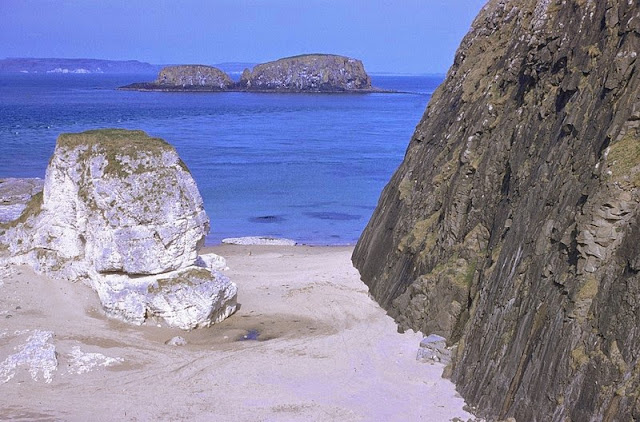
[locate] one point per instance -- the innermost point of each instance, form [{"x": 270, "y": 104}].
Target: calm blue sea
[{"x": 306, "y": 167}]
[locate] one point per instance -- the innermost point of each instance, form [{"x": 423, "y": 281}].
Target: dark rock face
[
  {"x": 512, "y": 226},
  {"x": 186, "y": 78},
  {"x": 308, "y": 73}
]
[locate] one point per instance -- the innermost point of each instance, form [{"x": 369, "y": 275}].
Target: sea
[{"x": 308, "y": 167}]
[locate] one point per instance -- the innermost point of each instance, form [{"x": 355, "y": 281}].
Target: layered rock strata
[
  {"x": 308, "y": 73},
  {"x": 512, "y": 226},
  {"x": 120, "y": 210},
  {"x": 186, "y": 78}
]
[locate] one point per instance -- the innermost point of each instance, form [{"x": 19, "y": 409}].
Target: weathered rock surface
[
  {"x": 308, "y": 73},
  {"x": 186, "y": 78},
  {"x": 121, "y": 210},
  {"x": 512, "y": 226}
]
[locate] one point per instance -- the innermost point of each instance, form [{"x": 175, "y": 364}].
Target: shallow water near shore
[{"x": 309, "y": 167}]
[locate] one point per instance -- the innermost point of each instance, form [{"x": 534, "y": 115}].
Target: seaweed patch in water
[
  {"x": 268, "y": 219},
  {"x": 338, "y": 216}
]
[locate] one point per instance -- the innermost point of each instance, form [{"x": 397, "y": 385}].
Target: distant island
[
  {"x": 27, "y": 65},
  {"x": 78, "y": 66},
  {"x": 311, "y": 73},
  {"x": 186, "y": 78},
  {"x": 308, "y": 73}
]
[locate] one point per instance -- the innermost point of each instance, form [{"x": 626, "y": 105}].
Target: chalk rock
[
  {"x": 37, "y": 355},
  {"x": 121, "y": 210},
  {"x": 176, "y": 341},
  {"x": 81, "y": 362},
  {"x": 212, "y": 261}
]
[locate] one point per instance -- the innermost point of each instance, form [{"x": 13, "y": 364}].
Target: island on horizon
[{"x": 306, "y": 73}]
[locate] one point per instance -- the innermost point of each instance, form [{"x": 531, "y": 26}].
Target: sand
[{"x": 318, "y": 349}]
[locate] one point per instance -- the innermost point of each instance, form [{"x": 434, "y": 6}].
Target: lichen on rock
[{"x": 120, "y": 210}]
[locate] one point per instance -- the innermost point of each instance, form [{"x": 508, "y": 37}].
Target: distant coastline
[
  {"x": 84, "y": 66},
  {"x": 43, "y": 66}
]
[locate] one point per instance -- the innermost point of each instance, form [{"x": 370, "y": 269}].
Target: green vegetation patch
[
  {"x": 121, "y": 140},
  {"x": 579, "y": 357},
  {"x": 185, "y": 277},
  {"x": 459, "y": 271},
  {"x": 589, "y": 289},
  {"x": 624, "y": 158},
  {"x": 115, "y": 143},
  {"x": 422, "y": 236},
  {"x": 311, "y": 55}
]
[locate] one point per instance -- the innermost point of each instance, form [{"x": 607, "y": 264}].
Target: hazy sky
[{"x": 414, "y": 36}]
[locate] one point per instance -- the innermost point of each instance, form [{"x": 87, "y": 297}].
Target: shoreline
[
  {"x": 149, "y": 87},
  {"x": 307, "y": 343}
]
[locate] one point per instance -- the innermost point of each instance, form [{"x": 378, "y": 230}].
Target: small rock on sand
[{"x": 177, "y": 341}]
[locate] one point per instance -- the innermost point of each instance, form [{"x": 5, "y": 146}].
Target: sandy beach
[{"x": 306, "y": 344}]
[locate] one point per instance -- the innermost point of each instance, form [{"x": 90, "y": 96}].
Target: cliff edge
[{"x": 512, "y": 225}]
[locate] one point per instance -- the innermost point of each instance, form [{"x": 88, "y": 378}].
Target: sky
[{"x": 399, "y": 36}]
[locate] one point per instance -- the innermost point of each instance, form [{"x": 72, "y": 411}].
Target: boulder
[
  {"x": 120, "y": 210},
  {"x": 433, "y": 348}
]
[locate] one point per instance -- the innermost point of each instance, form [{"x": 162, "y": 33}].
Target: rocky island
[
  {"x": 120, "y": 211},
  {"x": 512, "y": 226},
  {"x": 311, "y": 73},
  {"x": 186, "y": 78},
  {"x": 308, "y": 73}
]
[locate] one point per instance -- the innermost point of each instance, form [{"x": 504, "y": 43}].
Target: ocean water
[{"x": 309, "y": 167}]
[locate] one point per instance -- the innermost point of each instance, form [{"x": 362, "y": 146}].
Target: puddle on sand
[{"x": 250, "y": 335}]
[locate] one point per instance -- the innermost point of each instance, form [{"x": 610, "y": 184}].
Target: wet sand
[{"x": 307, "y": 344}]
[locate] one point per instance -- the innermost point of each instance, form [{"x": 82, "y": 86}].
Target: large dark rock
[{"x": 512, "y": 225}]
